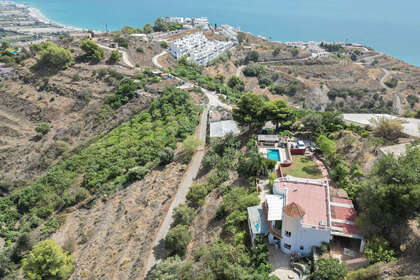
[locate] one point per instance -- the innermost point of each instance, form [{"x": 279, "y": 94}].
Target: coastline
[{"x": 38, "y": 16}]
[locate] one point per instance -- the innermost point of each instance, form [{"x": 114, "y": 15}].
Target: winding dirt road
[{"x": 124, "y": 54}]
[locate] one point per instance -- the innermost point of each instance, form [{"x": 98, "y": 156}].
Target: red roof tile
[{"x": 294, "y": 210}]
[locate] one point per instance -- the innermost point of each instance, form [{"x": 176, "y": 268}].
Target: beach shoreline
[{"x": 36, "y": 15}]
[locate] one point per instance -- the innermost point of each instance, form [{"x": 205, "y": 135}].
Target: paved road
[
  {"x": 155, "y": 59},
  {"x": 211, "y": 95},
  {"x": 124, "y": 54},
  {"x": 158, "y": 251},
  {"x": 214, "y": 100}
]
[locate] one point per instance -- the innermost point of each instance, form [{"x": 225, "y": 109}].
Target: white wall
[{"x": 306, "y": 237}]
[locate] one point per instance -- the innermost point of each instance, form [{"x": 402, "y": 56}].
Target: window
[
  {"x": 287, "y": 246},
  {"x": 288, "y": 233},
  {"x": 301, "y": 248}
]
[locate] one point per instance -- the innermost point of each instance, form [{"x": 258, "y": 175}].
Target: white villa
[
  {"x": 198, "y": 48},
  {"x": 300, "y": 215}
]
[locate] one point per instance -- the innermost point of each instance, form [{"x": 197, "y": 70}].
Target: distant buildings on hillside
[
  {"x": 198, "y": 48},
  {"x": 188, "y": 23},
  {"x": 311, "y": 46}
]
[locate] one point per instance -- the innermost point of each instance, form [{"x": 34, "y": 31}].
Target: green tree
[
  {"x": 250, "y": 111},
  {"x": 329, "y": 269},
  {"x": 52, "y": 56},
  {"x": 391, "y": 195},
  {"x": 114, "y": 57},
  {"x": 93, "y": 52},
  {"x": 177, "y": 239},
  {"x": 280, "y": 113},
  {"x": 236, "y": 83},
  {"x": 313, "y": 122},
  {"x": 148, "y": 28},
  {"x": 183, "y": 215},
  {"x": 47, "y": 261},
  {"x": 327, "y": 146}
]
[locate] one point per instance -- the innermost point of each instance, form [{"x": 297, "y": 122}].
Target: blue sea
[{"x": 389, "y": 26}]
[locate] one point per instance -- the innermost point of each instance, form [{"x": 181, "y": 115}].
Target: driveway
[{"x": 280, "y": 263}]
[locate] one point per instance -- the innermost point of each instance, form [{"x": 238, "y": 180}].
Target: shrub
[
  {"x": 378, "y": 250},
  {"x": 177, "y": 239},
  {"x": 47, "y": 261},
  {"x": 236, "y": 83},
  {"x": 210, "y": 160},
  {"x": 173, "y": 268},
  {"x": 388, "y": 129},
  {"x": 183, "y": 215},
  {"x": 329, "y": 269},
  {"x": 254, "y": 70},
  {"x": 197, "y": 195},
  {"x": 264, "y": 82},
  {"x": 42, "y": 129},
  {"x": 115, "y": 57},
  {"x": 190, "y": 145},
  {"x": 137, "y": 173},
  {"x": 369, "y": 273},
  {"x": 140, "y": 50},
  {"x": 76, "y": 77},
  {"x": 163, "y": 44},
  {"x": 276, "y": 51},
  {"x": 325, "y": 247},
  {"x": 251, "y": 56},
  {"x": 166, "y": 156},
  {"x": 122, "y": 42},
  {"x": 93, "y": 52},
  {"x": 218, "y": 177},
  {"x": 391, "y": 83},
  {"x": 271, "y": 178}
]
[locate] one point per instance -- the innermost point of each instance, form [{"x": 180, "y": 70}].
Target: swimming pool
[{"x": 273, "y": 154}]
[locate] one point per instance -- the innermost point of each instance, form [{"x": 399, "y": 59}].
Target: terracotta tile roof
[{"x": 294, "y": 210}]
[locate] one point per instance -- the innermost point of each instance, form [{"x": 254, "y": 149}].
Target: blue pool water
[
  {"x": 389, "y": 26},
  {"x": 274, "y": 155}
]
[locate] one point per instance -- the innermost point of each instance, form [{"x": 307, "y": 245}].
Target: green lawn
[{"x": 303, "y": 167}]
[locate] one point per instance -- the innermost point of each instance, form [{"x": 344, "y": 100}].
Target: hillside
[{"x": 93, "y": 150}]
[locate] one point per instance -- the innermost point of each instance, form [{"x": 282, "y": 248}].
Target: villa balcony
[{"x": 275, "y": 232}]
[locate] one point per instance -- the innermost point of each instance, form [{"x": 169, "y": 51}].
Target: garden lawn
[{"x": 304, "y": 167}]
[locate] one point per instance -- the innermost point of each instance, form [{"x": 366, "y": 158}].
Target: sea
[{"x": 392, "y": 27}]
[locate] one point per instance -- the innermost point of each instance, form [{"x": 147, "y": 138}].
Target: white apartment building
[
  {"x": 198, "y": 48},
  {"x": 229, "y": 31},
  {"x": 174, "y": 19}
]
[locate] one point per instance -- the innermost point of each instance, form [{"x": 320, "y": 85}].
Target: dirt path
[
  {"x": 382, "y": 81},
  {"x": 155, "y": 59},
  {"x": 239, "y": 70},
  {"x": 124, "y": 54},
  {"x": 158, "y": 251}
]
